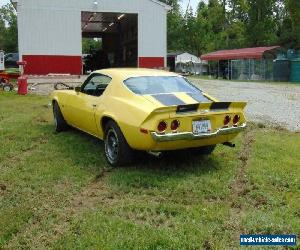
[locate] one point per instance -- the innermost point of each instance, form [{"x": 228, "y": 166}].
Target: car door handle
[{"x": 94, "y": 105}]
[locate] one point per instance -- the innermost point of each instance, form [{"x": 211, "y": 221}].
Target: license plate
[{"x": 200, "y": 127}]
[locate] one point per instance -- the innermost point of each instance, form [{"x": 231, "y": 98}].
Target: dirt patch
[
  {"x": 41, "y": 140},
  {"x": 239, "y": 187},
  {"x": 92, "y": 195},
  {"x": 244, "y": 156},
  {"x": 3, "y": 188},
  {"x": 40, "y": 120},
  {"x": 207, "y": 245}
]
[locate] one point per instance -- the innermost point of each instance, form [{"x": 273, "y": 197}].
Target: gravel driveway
[{"x": 274, "y": 104}]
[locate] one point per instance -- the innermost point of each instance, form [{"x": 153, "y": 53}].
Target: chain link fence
[{"x": 251, "y": 69}]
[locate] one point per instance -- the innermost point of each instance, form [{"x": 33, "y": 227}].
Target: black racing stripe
[
  {"x": 187, "y": 108},
  {"x": 168, "y": 99},
  {"x": 220, "y": 105},
  {"x": 199, "y": 97}
]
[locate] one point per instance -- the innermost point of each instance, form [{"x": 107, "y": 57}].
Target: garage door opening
[{"x": 109, "y": 40}]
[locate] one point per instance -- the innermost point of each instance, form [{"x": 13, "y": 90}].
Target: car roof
[{"x": 134, "y": 72}]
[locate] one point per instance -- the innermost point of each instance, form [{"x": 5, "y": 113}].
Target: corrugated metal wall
[{"x": 53, "y": 27}]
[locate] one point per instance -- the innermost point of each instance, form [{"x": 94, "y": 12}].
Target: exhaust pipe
[{"x": 155, "y": 154}]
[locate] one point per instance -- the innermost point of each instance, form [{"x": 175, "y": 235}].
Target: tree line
[
  {"x": 216, "y": 24},
  {"x": 228, "y": 24}
]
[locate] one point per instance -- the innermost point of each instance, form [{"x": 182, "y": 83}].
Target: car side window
[{"x": 96, "y": 85}]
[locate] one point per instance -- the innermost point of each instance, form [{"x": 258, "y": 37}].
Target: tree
[
  {"x": 90, "y": 45},
  {"x": 210, "y": 25},
  {"x": 2, "y": 32},
  {"x": 8, "y": 29},
  {"x": 175, "y": 24},
  {"x": 292, "y": 22},
  {"x": 261, "y": 25}
]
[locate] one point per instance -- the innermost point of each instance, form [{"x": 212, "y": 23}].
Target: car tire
[
  {"x": 117, "y": 150},
  {"x": 59, "y": 121}
]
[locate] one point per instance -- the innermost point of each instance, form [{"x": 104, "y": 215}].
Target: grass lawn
[{"x": 56, "y": 190}]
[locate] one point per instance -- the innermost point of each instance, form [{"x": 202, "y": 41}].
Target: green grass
[{"x": 56, "y": 190}]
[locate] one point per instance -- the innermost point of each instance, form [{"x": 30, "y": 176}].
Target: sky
[
  {"x": 184, "y": 3},
  {"x": 3, "y": 2}
]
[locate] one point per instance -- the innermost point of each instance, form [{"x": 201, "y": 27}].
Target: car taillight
[
  {"x": 162, "y": 126},
  {"x": 236, "y": 119},
  {"x": 227, "y": 120},
  {"x": 175, "y": 125}
]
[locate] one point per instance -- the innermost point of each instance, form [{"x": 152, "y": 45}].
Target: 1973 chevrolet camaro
[{"x": 146, "y": 110}]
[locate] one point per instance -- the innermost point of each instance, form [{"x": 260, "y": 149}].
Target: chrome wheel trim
[{"x": 111, "y": 146}]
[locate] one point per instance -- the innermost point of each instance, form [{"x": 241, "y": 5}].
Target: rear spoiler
[{"x": 212, "y": 106}]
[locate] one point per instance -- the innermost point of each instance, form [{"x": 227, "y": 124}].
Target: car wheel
[
  {"x": 59, "y": 121},
  {"x": 117, "y": 150}
]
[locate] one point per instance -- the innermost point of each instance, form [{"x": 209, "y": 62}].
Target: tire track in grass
[
  {"x": 42, "y": 234},
  {"x": 37, "y": 235},
  {"x": 239, "y": 186},
  {"x": 13, "y": 161}
]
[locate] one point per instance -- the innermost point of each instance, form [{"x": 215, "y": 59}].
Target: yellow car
[{"x": 146, "y": 110}]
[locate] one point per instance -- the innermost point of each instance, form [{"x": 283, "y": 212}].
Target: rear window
[{"x": 151, "y": 85}]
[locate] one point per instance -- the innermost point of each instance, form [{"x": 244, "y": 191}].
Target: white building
[{"x": 133, "y": 32}]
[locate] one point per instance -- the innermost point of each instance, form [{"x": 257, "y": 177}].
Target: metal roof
[{"x": 246, "y": 53}]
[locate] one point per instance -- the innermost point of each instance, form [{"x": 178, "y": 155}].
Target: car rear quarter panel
[{"x": 128, "y": 113}]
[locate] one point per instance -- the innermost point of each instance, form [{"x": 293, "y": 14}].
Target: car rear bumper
[{"x": 190, "y": 136}]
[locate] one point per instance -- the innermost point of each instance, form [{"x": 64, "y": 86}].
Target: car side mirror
[{"x": 77, "y": 89}]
